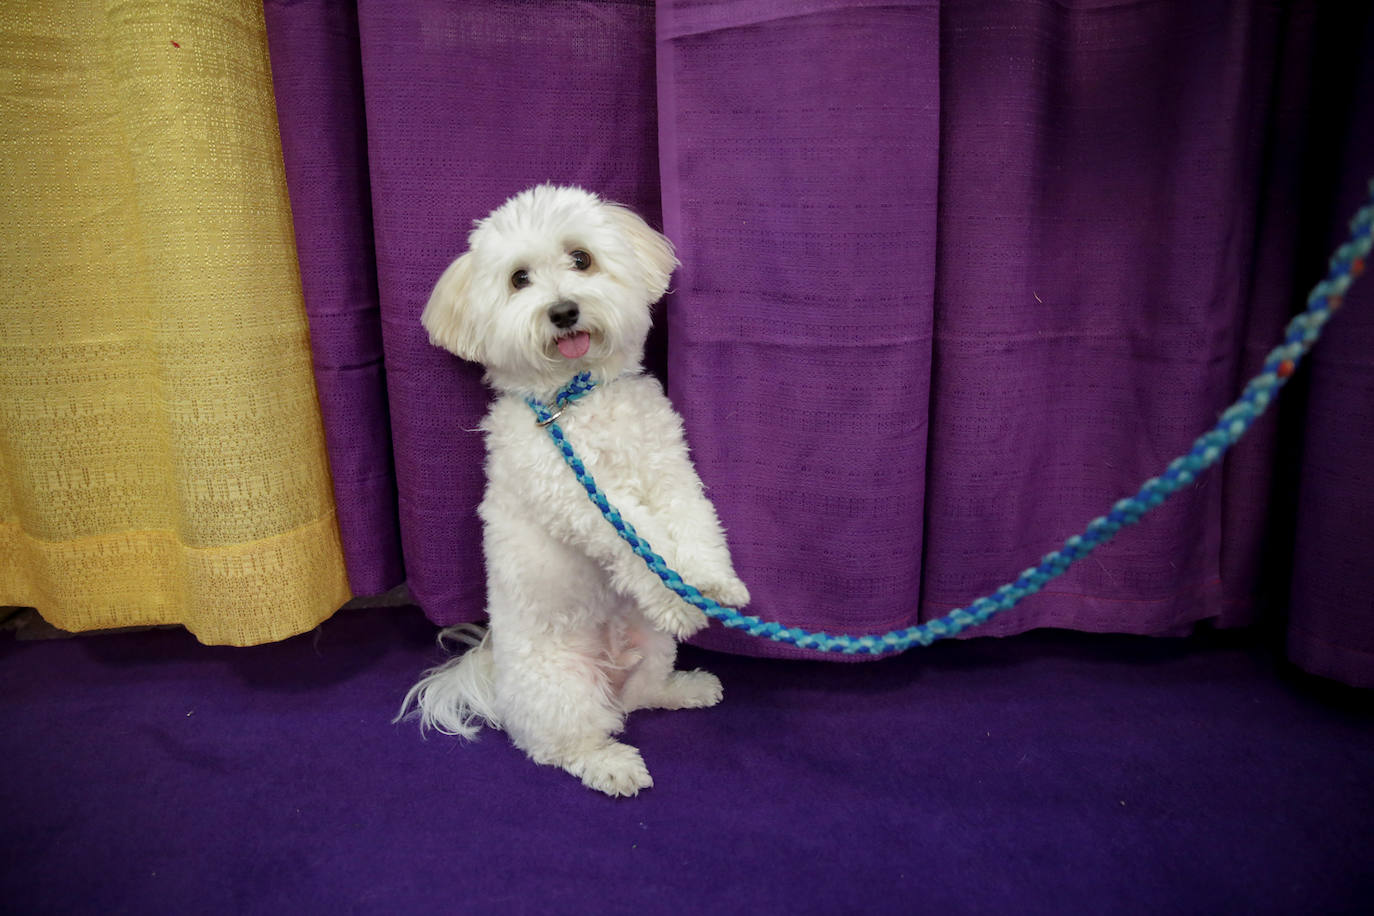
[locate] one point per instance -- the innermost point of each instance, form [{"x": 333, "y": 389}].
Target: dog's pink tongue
[{"x": 576, "y": 346}]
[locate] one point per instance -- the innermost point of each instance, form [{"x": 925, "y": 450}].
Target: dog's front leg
[
  {"x": 660, "y": 605},
  {"x": 698, "y": 545},
  {"x": 575, "y": 521},
  {"x": 556, "y": 709},
  {"x": 685, "y": 532},
  {"x": 693, "y": 541}
]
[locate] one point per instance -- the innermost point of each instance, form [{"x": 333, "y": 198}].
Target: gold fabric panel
[{"x": 161, "y": 454}]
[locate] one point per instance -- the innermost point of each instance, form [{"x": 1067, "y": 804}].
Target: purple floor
[{"x": 1051, "y": 773}]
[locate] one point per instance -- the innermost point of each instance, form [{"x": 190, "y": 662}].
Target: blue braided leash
[{"x": 1302, "y": 332}]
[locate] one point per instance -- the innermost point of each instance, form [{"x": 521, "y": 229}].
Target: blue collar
[{"x": 580, "y": 385}]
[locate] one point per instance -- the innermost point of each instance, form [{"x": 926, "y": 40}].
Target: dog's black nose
[{"x": 563, "y": 314}]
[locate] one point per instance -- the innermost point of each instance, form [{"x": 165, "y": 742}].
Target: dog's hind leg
[
  {"x": 655, "y": 685},
  {"x": 559, "y": 709},
  {"x": 606, "y": 765}
]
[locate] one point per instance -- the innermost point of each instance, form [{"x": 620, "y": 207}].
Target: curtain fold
[
  {"x": 317, "y": 72},
  {"x": 1098, "y": 213},
  {"x": 800, "y": 164},
  {"x": 956, "y": 276},
  {"x": 467, "y": 103},
  {"x": 161, "y": 455}
]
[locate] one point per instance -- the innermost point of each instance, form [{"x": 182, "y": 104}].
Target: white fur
[{"x": 580, "y": 632}]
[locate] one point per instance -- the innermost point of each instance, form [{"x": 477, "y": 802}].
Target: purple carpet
[{"x": 1051, "y": 772}]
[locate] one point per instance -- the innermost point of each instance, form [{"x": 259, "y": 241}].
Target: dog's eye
[
  {"x": 581, "y": 260},
  {"x": 520, "y": 279}
]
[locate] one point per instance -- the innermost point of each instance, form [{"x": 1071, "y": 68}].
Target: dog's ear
[
  {"x": 653, "y": 251},
  {"x": 446, "y": 315}
]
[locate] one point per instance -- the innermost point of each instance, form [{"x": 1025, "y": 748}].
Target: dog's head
[{"x": 554, "y": 282}]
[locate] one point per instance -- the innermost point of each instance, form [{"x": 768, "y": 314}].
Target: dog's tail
[{"x": 457, "y": 697}]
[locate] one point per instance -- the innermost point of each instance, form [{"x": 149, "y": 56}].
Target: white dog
[{"x": 556, "y": 282}]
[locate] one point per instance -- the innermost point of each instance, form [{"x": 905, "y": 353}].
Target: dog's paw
[
  {"x": 731, "y": 593},
  {"x": 681, "y": 690},
  {"x": 692, "y": 690},
  {"x": 614, "y": 768},
  {"x": 676, "y": 617}
]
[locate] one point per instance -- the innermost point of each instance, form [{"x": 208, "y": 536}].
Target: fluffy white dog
[{"x": 556, "y": 282}]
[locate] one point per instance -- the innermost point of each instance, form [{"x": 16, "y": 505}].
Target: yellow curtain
[{"x": 161, "y": 454}]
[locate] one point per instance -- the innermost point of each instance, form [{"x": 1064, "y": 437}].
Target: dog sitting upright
[{"x": 557, "y": 282}]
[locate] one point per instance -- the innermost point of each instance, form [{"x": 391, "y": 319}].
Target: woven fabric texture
[
  {"x": 971, "y": 304},
  {"x": 465, "y": 104},
  {"x": 163, "y": 458},
  {"x": 317, "y": 71},
  {"x": 955, "y": 276}
]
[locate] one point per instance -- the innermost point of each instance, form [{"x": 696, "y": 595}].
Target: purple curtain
[
  {"x": 1331, "y": 623},
  {"x": 464, "y": 103},
  {"x": 800, "y": 177},
  {"x": 318, "y": 80},
  {"x": 955, "y": 277}
]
